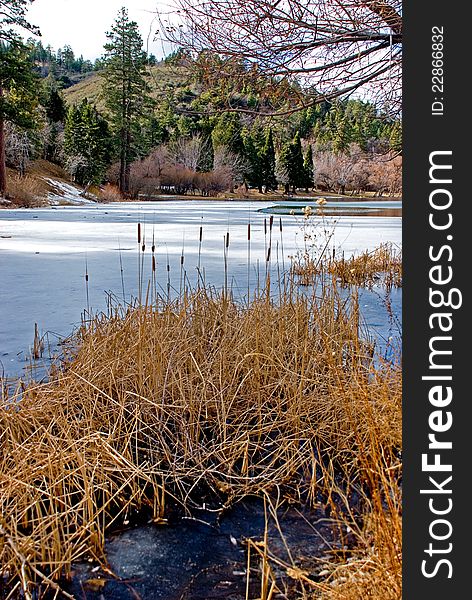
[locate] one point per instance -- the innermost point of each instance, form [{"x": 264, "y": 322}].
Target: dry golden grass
[
  {"x": 162, "y": 404},
  {"x": 381, "y": 266},
  {"x": 109, "y": 193},
  {"x": 27, "y": 191}
]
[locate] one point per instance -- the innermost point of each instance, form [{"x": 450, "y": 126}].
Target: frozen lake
[{"x": 45, "y": 253}]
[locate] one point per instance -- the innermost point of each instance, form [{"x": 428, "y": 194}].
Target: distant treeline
[{"x": 182, "y": 138}]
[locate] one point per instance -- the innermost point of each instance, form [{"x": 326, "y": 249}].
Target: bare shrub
[
  {"x": 75, "y": 164},
  {"x": 386, "y": 175},
  {"x": 27, "y": 192},
  {"x": 155, "y": 163},
  {"x": 214, "y": 182},
  {"x": 178, "y": 179},
  {"x": 110, "y": 193},
  {"x": 357, "y": 171},
  {"x": 146, "y": 174},
  {"x": 113, "y": 174},
  {"x": 174, "y": 169}
]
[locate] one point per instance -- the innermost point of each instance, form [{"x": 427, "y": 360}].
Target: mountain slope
[{"x": 164, "y": 80}]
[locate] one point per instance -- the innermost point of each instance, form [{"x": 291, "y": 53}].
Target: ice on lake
[{"x": 45, "y": 253}]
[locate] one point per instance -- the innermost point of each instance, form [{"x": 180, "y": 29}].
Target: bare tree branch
[{"x": 328, "y": 48}]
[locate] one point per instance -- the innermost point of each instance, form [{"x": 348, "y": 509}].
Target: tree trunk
[
  {"x": 3, "y": 173},
  {"x": 127, "y": 161},
  {"x": 123, "y": 162}
]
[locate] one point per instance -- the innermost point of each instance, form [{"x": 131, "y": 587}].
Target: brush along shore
[
  {"x": 382, "y": 266},
  {"x": 164, "y": 406}
]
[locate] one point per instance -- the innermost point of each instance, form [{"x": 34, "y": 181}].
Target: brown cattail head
[
  {"x": 249, "y": 232},
  {"x": 139, "y": 233}
]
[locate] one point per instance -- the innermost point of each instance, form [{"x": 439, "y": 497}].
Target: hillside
[
  {"x": 164, "y": 80},
  {"x": 44, "y": 184}
]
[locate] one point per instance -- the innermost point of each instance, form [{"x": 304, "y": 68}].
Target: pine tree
[
  {"x": 395, "y": 138},
  {"x": 253, "y": 173},
  {"x": 125, "y": 88},
  {"x": 55, "y": 106},
  {"x": 153, "y": 133},
  {"x": 283, "y": 166},
  {"x": 207, "y": 156},
  {"x": 268, "y": 162},
  {"x": 343, "y": 133},
  {"x": 56, "y": 111},
  {"x": 228, "y": 132},
  {"x": 87, "y": 143},
  {"x": 297, "y": 171},
  {"x": 308, "y": 168},
  {"x": 290, "y": 168},
  {"x": 12, "y": 16}
]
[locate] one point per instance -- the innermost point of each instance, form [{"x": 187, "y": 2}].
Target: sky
[{"x": 82, "y": 23}]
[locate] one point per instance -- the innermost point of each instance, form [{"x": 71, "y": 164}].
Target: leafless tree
[
  {"x": 357, "y": 171},
  {"x": 18, "y": 148},
  {"x": 229, "y": 166},
  {"x": 330, "y": 48},
  {"x": 386, "y": 175},
  {"x": 187, "y": 151},
  {"x": 76, "y": 163}
]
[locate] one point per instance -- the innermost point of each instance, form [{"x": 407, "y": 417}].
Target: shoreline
[{"x": 6, "y": 204}]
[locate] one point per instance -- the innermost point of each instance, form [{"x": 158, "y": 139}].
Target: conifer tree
[
  {"x": 228, "y": 132},
  {"x": 253, "y": 173},
  {"x": 283, "y": 166},
  {"x": 13, "y": 16},
  {"x": 268, "y": 162},
  {"x": 87, "y": 143},
  {"x": 55, "y": 106},
  {"x": 207, "y": 156},
  {"x": 395, "y": 137},
  {"x": 125, "y": 88},
  {"x": 342, "y": 135},
  {"x": 56, "y": 112},
  {"x": 297, "y": 170},
  {"x": 290, "y": 168},
  {"x": 308, "y": 168}
]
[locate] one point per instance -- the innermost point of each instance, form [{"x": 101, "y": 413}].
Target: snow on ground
[{"x": 66, "y": 192}]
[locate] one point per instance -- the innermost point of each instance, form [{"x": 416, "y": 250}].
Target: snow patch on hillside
[{"x": 67, "y": 193}]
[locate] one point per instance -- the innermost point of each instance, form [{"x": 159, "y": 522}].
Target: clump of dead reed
[
  {"x": 203, "y": 399},
  {"x": 381, "y": 266}
]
